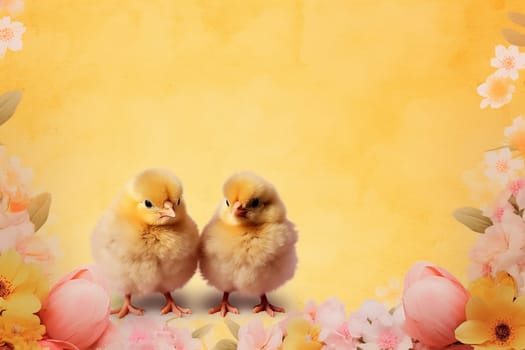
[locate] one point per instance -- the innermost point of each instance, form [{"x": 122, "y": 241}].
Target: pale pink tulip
[
  {"x": 77, "y": 309},
  {"x": 434, "y": 303}
]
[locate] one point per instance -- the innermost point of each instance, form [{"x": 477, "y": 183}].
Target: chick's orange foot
[
  {"x": 127, "y": 308},
  {"x": 224, "y": 307},
  {"x": 171, "y": 306},
  {"x": 266, "y": 306}
]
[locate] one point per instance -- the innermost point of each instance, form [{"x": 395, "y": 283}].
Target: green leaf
[
  {"x": 473, "y": 219},
  {"x": 514, "y": 37},
  {"x": 512, "y": 201},
  {"x": 8, "y": 103},
  {"x": 201, "y": 332},
  {"x": 38, "y": 209},
  {"x": 233, "y": 327},
  {"x": 518, "y": 18},
  {"x": 500, "y": 147},
  {"x": 225, "y": 344}
]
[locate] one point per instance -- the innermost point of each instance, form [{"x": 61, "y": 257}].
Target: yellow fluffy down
[
  {"x": 254, "y": 254},
  {"x": 140, "y": 252}
]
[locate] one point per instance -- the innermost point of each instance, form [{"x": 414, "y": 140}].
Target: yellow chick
[
  {"x": 249, "y": 245},
  {"x": 145, "y": 241}
]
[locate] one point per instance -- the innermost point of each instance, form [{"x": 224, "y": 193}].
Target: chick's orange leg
[
  {"x": 171, "y": 306},
  {"x": 224, "y": 307},
  {"x": 127, "y": 307},
  {"x": 266, "y": 306}
]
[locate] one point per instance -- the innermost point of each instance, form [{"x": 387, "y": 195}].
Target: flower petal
[
  {"x": 10, "y": 262},
  {"x": 500, "y": 50},
  {"x": 483, "y": 89},
  {"x": 519, "y": 340},
  {"x": 21, "y": 304},
  {"x": 477, "y": 309},
  {"x": 473, "y": 332},
  {"x": 15, "y": 44}
]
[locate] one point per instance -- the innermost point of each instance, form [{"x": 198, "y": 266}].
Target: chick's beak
[
  {"x": 168, "y": 210},
  {"x": 238, "y": 210}
]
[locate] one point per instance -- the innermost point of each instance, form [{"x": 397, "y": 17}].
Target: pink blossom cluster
[
  {"x": 502, "y": 246},
  {"x": 16, "y": 229},
  {"x": 370, "y": 327}
]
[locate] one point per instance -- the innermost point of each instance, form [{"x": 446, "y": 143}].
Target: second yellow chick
[{"x": 249, "y": 245}]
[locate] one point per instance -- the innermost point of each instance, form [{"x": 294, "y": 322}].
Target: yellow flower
[
  {"x": 485, "y": 287},
  {"x": 302, "y": 335},
  {"x": 495, "y": 324},
  {"x": 22, "y": 286},
  {"x": 20, "y": 333}
]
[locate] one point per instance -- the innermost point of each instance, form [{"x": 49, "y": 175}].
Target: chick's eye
[
  {"x": 178, "y": 201},
  {"x": 148, "y": 204},
  {"x": 227, "y": 203},
  {"x": 254, "y": 203}
]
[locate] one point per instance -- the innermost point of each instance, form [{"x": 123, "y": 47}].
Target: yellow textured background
[{"x": 364, "y": 114}]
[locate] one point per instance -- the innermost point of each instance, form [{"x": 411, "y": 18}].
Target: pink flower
[
  {"x": 77, "y": 302},
  {"x": 434, "y": 304},
  {"x": 500, "y": 248},
  {"x": 310, "y": 310},
  {"x": 15, "y": 181},
  {"x": 340, "y": 338},
  {"x": 330, "y": 316},
  {"x": 500, "y": 165},
  {"x": 10, "y": 35},
  {"x": 14, "y": 7},
  {"x": 378, "y": 329},
  {"x": 35, "y": 249},
  {"x": 370, "y": 311},
  {"x": 17, "y": 232},
  {"x": 500, "y": 206},
  {"x": 253, "y": 336},
  {"x": 508, "y": 61},
  {"x": 149, "y": 334},
  {"x": 12, "y": 227},
  {"x": 519, "y": 192}
]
